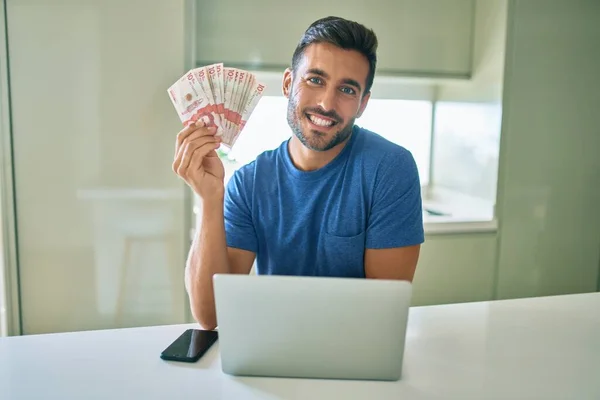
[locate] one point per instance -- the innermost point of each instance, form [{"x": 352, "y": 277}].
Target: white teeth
[{"x": 320, "y": 121}]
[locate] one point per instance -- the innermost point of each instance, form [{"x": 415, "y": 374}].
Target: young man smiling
[{"x": 333, "y": 200}]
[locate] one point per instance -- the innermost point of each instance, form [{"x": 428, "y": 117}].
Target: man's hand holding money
[
  {"x": 222, "y": 97},
  {"x": 214, "y": 103},
  {"x": 197, "y": 162}
]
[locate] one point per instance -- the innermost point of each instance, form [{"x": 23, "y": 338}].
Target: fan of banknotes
[{"x": 222, "y": 97}]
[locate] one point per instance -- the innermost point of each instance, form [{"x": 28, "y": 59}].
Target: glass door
[{"x": 102, "y": 220}]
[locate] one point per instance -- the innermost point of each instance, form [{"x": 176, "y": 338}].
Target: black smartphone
[{"x": 190, "y": 346}]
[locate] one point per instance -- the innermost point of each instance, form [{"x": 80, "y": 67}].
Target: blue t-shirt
[{"x": 318, "y": 223}]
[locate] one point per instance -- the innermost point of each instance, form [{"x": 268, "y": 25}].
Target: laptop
[{"x": 311, "y": 327}]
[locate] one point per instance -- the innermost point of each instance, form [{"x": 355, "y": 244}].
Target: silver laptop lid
[{"x": 309, "y": 327}]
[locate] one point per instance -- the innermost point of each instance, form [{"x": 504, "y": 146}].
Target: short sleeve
[
  {"x": 396, "y": 215},
  {"x": 239, "y": 228}
]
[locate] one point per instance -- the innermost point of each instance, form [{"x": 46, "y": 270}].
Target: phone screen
[{"x": 190, "y": 346}]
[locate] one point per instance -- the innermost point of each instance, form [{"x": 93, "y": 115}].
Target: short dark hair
[{"x": 343, "y": 33}]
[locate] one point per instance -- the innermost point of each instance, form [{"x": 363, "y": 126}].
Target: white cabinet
[
  {"x": 455, "y": 268},
  {"x": 416, "y": 37}
]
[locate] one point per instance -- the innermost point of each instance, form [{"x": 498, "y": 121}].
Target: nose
[{"x": 328, "y": 98}]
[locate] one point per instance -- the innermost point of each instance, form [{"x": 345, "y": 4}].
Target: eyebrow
[{"x": 324, "y": 74}]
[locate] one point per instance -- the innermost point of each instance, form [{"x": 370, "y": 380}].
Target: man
[{"x": 333, "y": 200}]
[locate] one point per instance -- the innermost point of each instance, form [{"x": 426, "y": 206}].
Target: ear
[
  {"x": 363, "y": 104},
  {"x": 287, "y": 82}
]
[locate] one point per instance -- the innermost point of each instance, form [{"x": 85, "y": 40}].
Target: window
[
  {"x": 266, "y": 128},
  {"x": 406, "y": 123},
  {"x": 467, "y": 144}
]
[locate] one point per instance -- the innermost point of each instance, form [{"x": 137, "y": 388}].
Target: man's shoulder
[
  {"x": 265, "y": 161},
  {"x": 269, "y": 158},
  {"x": 382, "y": 152}
]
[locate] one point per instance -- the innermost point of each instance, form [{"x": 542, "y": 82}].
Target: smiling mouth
[{"x": 320, "y": 121}]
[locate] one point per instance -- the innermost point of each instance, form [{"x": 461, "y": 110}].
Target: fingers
[
  {"x": 198, "y": 126},
  {"x": 190, "y": 146},
  {"x": 195, "y": 140},
  {"x": 196, "y": 149},
  {"x": 192, "y": 137},
  {"x": 185, "y": 132},
  {"x": 197, "y": 160}
]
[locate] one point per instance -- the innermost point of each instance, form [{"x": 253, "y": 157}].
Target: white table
[{"x": 540, "y": 348}]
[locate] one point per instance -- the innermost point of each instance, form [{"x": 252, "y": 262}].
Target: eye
[
  {"x": 315, "y": 80},
  {"x": 348, "y": 90}
]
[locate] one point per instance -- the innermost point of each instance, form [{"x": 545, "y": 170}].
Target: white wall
[
  {"x": 99, "y": 211},
  {"x": 549, "y": 184}
]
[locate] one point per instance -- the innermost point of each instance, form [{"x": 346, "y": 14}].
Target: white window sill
[{"x": 446, "y": 212}]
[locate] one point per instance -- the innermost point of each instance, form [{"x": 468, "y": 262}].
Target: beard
[{"x": 314, "y": 139}]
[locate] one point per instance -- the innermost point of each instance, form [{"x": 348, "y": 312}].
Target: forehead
[{"x": 338, "y": 63}]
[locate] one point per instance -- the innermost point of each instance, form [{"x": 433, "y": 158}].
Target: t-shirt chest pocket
[
  {"x": 342, "y": 244},
  {"x": 342, "y": 256}
]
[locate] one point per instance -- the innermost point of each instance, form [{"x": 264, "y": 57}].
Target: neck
[{"x": 306, "y": 159}]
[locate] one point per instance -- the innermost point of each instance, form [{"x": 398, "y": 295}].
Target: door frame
[{"x": 8, "y": 224}]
